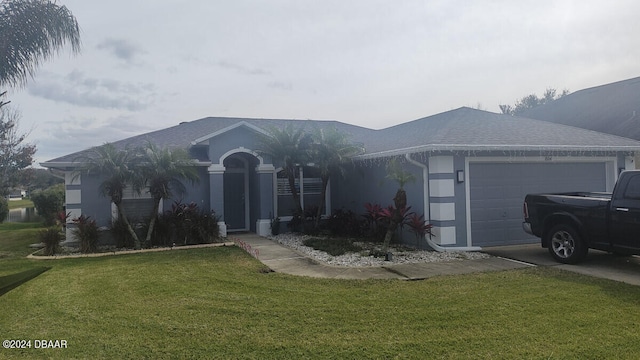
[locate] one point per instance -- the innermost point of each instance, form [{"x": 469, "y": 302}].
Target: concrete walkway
[{"x": 287, "y": 261}]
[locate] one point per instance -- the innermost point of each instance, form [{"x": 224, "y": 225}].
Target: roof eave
[{"x": 458, "y": 147}]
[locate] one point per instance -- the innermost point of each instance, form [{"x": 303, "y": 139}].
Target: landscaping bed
[{"x": 362, "y": 253}]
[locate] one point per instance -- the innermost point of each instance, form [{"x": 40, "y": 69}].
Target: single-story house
[
  {"x": 472, "y": 170},
  {"x": 610, "y": 108}
]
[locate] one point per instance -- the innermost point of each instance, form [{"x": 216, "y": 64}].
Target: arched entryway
[{"x": 238, "y": 191}]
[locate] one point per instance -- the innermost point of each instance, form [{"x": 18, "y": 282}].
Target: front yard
[{"x": 220, "y": 303}]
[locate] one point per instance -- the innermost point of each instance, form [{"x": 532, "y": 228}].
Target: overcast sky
[{"x": 146, "y": 65}]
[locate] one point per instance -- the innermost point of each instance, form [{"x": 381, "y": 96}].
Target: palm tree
[
  {"x": 118, "y": 166},
  {"x": 289, "y": 147},
  {"x": 163, "y": 171},
  {"x": 399, "y": 175},
  {"x": 330, "y": 152},
  {"x": 32, "y": 31}
]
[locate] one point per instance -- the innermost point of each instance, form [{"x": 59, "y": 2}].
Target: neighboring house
[
  {"x": 612, "y": 109},
  {"x": 472, "y": 171}
]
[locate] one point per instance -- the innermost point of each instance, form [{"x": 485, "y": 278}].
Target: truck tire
[{"x": 566, "y": 245}]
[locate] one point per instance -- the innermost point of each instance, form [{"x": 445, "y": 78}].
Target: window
[
  {"x": 137, "y": 206},
  {"x": 310, "y": 191},
  {"x": 633, "y": 188}
]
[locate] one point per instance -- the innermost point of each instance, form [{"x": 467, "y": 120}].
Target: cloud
[
  {"x": 77, "y": 133},
  {"x": 121, "y": 49},
  {"x": 280, "y": 85},
  {"x": 242, "y": 69},
  {"x": 77, "y": 89}
]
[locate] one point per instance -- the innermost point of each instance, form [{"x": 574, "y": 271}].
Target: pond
[{"x": 28, "y": 214}]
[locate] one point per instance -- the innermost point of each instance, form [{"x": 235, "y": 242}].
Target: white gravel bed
[{"x": 400, "y": 255}]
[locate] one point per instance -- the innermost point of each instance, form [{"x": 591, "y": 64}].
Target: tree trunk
[
  {"x": 123, "y": 216},
  {"x": 400, "y": 201},
  {"x": 323, "y": 194},
  {"x": 152, "y": 222},
  {"x": 291, "y": 175}
]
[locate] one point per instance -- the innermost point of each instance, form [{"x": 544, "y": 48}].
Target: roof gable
[{"x": 205, "y": 139}]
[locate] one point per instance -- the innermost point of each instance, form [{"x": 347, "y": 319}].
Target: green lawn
[
  {"x": 16, "y": 204},
  {"x": 220, "y": 303}
]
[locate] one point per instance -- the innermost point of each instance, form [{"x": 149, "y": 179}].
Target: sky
[{"x": 147, "y": 65}]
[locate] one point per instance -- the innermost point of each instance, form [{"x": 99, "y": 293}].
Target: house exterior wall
[
  {"x": 448, "y": 180},
  {"x": 197, "y": 193}
]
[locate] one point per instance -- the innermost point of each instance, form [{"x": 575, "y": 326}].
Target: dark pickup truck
[{"x": 569, "y": 224}]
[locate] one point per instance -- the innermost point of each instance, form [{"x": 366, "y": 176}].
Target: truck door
[{"x": 624, "y": 225}]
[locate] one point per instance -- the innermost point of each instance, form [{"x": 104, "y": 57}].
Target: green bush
[
  {"x": 332, "y": 246},
  {"x": 185, "y": 224},
  {"x": 51, "y": 238},
  {"x": 49, "y": 203},
  {"x": 86, "y": 231},
  {"x": 4, "y": 209}
]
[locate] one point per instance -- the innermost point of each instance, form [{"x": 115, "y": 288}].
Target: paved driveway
[{"x": 597, "y": 264}]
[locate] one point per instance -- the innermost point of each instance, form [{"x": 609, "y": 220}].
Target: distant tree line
[{"x": 531, "y": 101}]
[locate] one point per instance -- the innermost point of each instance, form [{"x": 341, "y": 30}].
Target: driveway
[{"x": 598, "y": 264}]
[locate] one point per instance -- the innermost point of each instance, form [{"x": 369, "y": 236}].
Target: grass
[
  {"x": 17, "y": 204},
  {"x": 218, "y": 303}
]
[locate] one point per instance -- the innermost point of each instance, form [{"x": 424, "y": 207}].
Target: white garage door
[{"x": 497, "y": 191}]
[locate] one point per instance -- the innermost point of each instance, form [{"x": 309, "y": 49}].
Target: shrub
[
  {"x": 419, "y": 227},
  {"x": 49, "y": 203},
  {"x": 275, "y": 226},
  {"x": 332, "y": 246},
  {"x": 51, "y": 238},
  {"x": 4, "y": 209},
  {"x": 186, "y": 224},
  {"x": 121, "y": 235},
  {"x": 86, "y": 231},
  {"x": 344, "y": 223}
]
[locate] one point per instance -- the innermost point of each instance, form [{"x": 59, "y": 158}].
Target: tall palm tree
[
  {"x": 32, "y": 31},
  {"x": 118, "y": 167},
  {"x": 288, "y": 147},
  {"x": 331, "y": 151},
  {"x": 163, "y": 171}
]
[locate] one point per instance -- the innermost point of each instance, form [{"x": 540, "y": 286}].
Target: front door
[{"x": 235, "y": 201}]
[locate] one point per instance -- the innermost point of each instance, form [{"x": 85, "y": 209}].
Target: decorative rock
[{"x": 400, "y": 255}]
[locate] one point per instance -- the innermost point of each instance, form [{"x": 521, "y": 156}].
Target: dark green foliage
[
  {"x": 531, "y": 101},
  {"x": 345, "y": 223},
  {"x": 275, "y": 226},
  {"x": 86, "y": 231},
  {"x": 120, "y": 232},
  {"x": 49, "y": 203},
  {"x": 14, "y": 280},
  {"x": 333, "y": 246},
  {"x": 51, "y": 238},
  {"x": 4, "y": 209},
  {"x": 186, "y": 224}
]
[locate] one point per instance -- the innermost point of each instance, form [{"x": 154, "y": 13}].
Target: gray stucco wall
[
  {"x": 197, "y": 192},
  {"x": 93, "y": 203},
  {"x": 233, "y": 139}
]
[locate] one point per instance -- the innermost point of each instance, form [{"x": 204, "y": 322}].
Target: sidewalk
[{"x": 287, "y": 261}]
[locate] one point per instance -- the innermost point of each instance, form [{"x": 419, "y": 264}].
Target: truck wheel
[{"x": 566, "y": 245}]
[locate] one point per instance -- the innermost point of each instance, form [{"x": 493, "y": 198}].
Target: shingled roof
[
  {"x": 473, "y": 130},
  {"x": 612, "y": 108},
  {"x": 463, "y": 129},
  {"x": 184, "y": 134}
]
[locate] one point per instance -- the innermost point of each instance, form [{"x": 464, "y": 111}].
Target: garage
[{"x": 497, "y": 191}]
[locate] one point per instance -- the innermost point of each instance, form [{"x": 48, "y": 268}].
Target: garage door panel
[{"x": 498, "y": 189}]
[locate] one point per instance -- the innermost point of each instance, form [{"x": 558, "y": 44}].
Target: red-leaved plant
[{"x": 419, "y": 227}]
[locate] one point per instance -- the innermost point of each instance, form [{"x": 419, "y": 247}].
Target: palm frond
[{"x": 32, "y": 31}]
